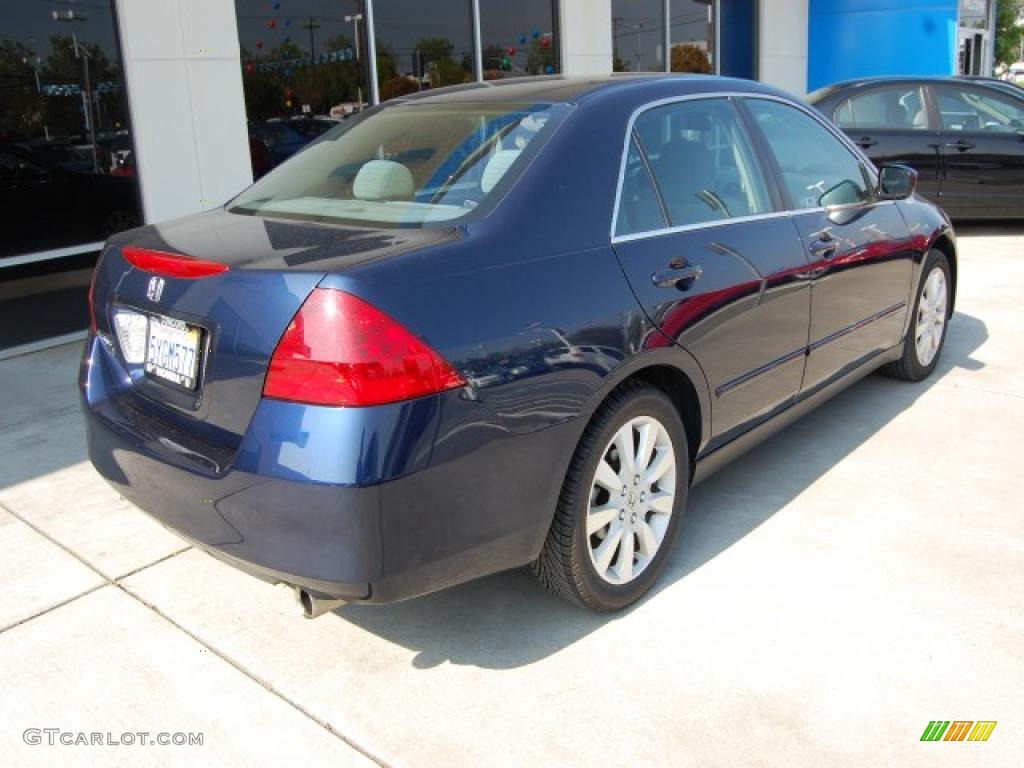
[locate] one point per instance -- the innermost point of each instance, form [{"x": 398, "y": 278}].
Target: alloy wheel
[
  {"x": 631, "y": 500},
  {"x": 931, "y": 317}
]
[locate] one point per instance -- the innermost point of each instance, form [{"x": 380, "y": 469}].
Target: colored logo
[{"x": 958, "y": 730}]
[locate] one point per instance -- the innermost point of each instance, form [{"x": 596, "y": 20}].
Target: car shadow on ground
[
  {"x": 506, "y": 621},
  {"x": 41, "y": 425}
]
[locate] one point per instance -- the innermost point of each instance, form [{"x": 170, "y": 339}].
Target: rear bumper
[{"x": 350, "y": 503}]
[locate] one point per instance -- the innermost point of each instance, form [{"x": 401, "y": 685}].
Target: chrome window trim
[
  {"x": 652, "y": 233},
  {"x": 730, "y": 95}
]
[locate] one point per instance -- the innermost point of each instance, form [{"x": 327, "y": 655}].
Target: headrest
[
  {"x": 496, "y": 167},
  {"x": 383, "y": 180},
  {"x": 692, "y": 127}
]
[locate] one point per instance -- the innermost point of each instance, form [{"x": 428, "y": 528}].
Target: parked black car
[
  {"x": 964, "y": 137},
  {"x": 47, "y": 206}
]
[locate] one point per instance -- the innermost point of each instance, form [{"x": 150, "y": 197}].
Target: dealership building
[{"x": 118, "y": 112}]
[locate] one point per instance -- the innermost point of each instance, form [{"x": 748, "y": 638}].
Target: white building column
[
  {"x": 181, "y": 67},
  {"x": 782, "y": 44},
  {"x": 585, "y": 36}
]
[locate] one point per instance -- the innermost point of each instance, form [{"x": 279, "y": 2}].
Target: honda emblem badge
[{"x": 155, "y": 289}]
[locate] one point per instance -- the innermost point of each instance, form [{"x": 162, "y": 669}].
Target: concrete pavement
[{"x": 832, "y": 592}]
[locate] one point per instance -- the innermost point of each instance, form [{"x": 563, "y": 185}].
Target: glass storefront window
[
  {"x": 974, "y": 14},
  {"x": 67, "y": 170},
  {"x": 303, "y": 70},
  {"x": 704, "y": 36},
  {"x": 638, "y": 36},
  {"x": 305, "y": 61},
  {"x": 691, "y": 25},
  {"x": 422, "y": 44},
  {"x": 518, "y": 38}
]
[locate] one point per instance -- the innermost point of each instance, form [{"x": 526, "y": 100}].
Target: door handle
[
  {"x": 680, "y": 275},
  {"x": 866, "y": 141},
  {"x": 824, "y": 246},
  {"x": 961, "y": 145}
]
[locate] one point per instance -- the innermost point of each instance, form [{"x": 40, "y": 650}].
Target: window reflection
[
  {"x": 66, "y": 164},
  {"x": 422, "y": 44},
  {"x": 693, "y": 38},
  {"x": 518, "y": 38},
  {"x": 303, "y": 70},
  {"x": 638, "y": 36},
  {"x": 67, "y": 170}
]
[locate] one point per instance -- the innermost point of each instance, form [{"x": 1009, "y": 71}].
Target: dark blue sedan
[{"x": 503, "y": 324}]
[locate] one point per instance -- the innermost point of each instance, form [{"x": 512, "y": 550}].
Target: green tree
[
  {"x": 492, "y": 58},
  {"x": 1008, "y": 34},
  {"x": 397, "y": 86},
  {"x": 541, "y": 56},
  {"x": 434, "y": 49},
  {"x": 22, "y": 113},
  {"x": 690, "y": 58}
]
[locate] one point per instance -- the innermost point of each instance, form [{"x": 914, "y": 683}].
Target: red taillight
[
  {"x": 339, "y": 350},
  {"x": 171, "y": 264}
]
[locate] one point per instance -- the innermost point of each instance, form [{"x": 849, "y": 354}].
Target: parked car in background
[
  {"x": 260, "y": 158},
  {"x": 500, "y": 325},
  {"x": 125, "y": 165},
  {"x": 964, "y": 137},
  {"x": 60, "y": 152},
  {"x": 312, "y": 127},
  {"x": 283, "y": 138},
  {"x": 280, "y": 139},
  {"x": 46, "y": 206}
]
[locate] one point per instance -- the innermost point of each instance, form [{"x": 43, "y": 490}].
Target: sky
[{"x": 30, "y": 22}]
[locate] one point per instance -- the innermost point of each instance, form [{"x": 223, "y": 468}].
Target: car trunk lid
[{"x": 254, "y": 276}]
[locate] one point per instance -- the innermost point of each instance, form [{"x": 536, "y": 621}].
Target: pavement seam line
[
  {"x": 49, "y": 538},
  {"x": 61, "y": 604},
  {"x": 166, "y": 557},
  {"x": 255, "y": 678},
  {"x": 116, "y": 582}
]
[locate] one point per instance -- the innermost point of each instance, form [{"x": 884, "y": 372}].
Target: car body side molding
[{"x": 717, "y": 458}]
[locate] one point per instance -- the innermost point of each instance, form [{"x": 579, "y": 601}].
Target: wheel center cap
[{"x": 631, "y": 499}]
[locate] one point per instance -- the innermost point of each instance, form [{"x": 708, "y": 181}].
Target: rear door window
[
  {"x": 702, "y": 162},
  {"x": 898, "y": 108},
  {"x": 640, "y": 209}
]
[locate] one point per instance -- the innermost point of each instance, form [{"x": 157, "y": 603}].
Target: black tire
[
  {"x": 909, "y": 367},
  {"x": 564, "y": 567}
]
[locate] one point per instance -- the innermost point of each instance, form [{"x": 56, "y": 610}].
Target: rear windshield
[{"x": 405, "y": 165}]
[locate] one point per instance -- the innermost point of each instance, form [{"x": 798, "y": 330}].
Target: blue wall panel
[
  {"x": 864, "y": 38},
  {"x": 738, "y": 45}
]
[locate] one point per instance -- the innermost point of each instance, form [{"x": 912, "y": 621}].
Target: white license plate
[{"x": 173, "y": 351}]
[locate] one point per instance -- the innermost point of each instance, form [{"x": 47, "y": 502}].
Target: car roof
[
  {"x": 563, "y": 89},
  {"x": 865, "y": 82}
]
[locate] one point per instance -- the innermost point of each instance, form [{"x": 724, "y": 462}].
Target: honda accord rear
[{"x": 269, "y": 379}]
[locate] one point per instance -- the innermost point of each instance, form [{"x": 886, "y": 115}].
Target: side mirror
[
  {"x": 896, "y": 182},
  {"x": 845, "y": 192}
]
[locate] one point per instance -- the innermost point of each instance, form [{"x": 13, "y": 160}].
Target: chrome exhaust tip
[{"x": 311, "y": 606}]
